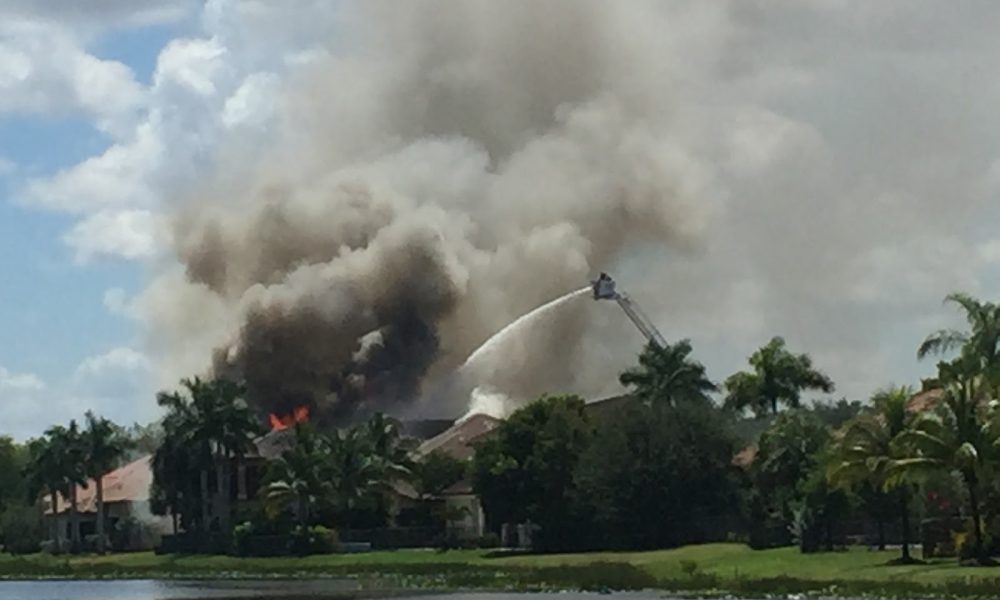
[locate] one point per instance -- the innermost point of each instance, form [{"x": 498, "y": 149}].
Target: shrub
[
  {"x": 312, "y": 540},
  {"x": 22, "y": 530}
]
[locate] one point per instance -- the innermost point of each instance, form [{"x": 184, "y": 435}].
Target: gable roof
[
  {"x": 128, "y": 483},
  {"x": 458, "y": 440}
]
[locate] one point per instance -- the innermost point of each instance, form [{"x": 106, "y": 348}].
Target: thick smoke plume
[{"x": 448, "y": 167}]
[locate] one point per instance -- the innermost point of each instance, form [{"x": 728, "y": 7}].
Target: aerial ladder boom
[{"x": 604, "y": 289}]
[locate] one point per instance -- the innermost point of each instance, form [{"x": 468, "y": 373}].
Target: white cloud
[
  {"x": 44, "y": 70},
  {"x": 193, "y": 64},
  {"x": 99, "y": 14},
  {"x": 129, "y": 234},
  {"x": 19, "y": 382},
  {"x": 113, "y": 362},
  {"x": 253, "y": 103},
  {"x": 117, "y": 178}
]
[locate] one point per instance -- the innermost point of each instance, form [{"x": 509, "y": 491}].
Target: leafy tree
[
  {"x": 668, "y": 376},
  {"x": 175, "y": 463},
  {"x": 788, "y": 452},
  {"x": 208, "y": 428},
  {"x": 359, "y": 477},
  {"x": 836, "y": 414},
  {"x": 655, "y": 476},
  {"x": 961, "y": 435},
  {"x": 980, "y": 345},
  {"x": 45, "y": 475},
  {"x": 13, "y": 491},
  {"x": 525, "y": 471},
  {"x": 142, "y": 440},
  {"x": 13, "y": 460},
  {"x": 778, "y": 377},
  {"x": 70, "y": 454},
  {"x": 436, "y": 472},
  {"x": 300, "y": 477},
  {"x": 869, "y": 449},
  {"x": 105, "y": 445}
]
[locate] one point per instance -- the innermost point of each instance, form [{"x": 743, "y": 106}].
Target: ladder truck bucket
[{"x": 604, "y": 288}]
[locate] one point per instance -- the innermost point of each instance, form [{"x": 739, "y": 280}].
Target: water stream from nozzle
[{"x": 498, "y": 338}]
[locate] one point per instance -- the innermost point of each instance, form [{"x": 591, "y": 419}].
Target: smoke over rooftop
[{"x": 455, "y": 166}]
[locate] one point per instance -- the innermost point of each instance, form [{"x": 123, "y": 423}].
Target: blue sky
[
  {"x": 835, "y": 165},
  {"x": 53, "y": 309}
]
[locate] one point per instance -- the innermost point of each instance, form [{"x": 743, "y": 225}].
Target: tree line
[
  {"x": 664, "y": 470},
  {"x": 685, "y": 460}
]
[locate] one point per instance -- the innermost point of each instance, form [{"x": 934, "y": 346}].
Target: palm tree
[
  {"x": 385, "y": 436},
  {"x": 959, "y": 436},
  {"x": 45, "y": 474},
  {"x": 778, "y": 377},
  {"x": 172, "y": 463},
  {"x": 356, "y": 473},
  {"x": 668, "y": 376},
  {"x": 870, "y": 447},
  {"x": 299, "y": 478},
  {"x": 982, "y": 339},
  {"x": 219, "y": 429},
  {"x": 69, "y": 454},
  {"x": 105, "y": 446}
]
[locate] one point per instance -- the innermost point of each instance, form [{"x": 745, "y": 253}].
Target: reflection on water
[
  {"x": 173, "y": 590},
  {"x": 270, "y": 590}
]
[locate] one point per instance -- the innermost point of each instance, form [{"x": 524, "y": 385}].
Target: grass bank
[{"x": 712, "y": 567}]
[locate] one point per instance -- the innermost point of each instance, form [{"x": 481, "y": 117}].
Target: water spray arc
[{"x": 604, "y": 289}]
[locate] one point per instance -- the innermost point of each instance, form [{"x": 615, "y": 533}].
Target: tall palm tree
[
  {"x": 982, "y": 339},
  {"x": 778, "y": 377},
  {"x": 70, "y": 454},
  {"x": 219, "y": 429},
  {"x": 389, "y": 446},
  {"x": 870, "y": 447},
  {"x": 46, "y": 475},
  {"x": 299, "y": 477},
  {"x": 960, "y": 435},
  {"x": 173, "y": 463},
  {"x": 105, "y": 445},
  {"x": 356, "y": 473},
  {"x": 668, "y": 376}
]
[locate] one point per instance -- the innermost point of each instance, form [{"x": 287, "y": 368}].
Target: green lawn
[{"x": 712, "y": 566}]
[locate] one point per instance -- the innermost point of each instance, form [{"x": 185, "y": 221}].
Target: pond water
[{"x": 267, "y": 590}]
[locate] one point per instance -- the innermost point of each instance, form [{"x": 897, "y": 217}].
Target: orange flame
[{"x": 299, "y": 415}]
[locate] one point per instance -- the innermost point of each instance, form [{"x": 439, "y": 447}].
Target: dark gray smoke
[{"x": 460, "y": 164}]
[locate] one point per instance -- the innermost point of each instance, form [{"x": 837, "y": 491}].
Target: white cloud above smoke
[{"x": 822, "y": 171}]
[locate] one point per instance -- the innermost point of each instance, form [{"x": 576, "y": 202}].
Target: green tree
[
  {"x": 655, "y": 476},
  {"x": 13, "y": 487},
  {"x": 787, "y": 453},
  {"x": 980, "y": 345},
  {"x": 525, "y": 471},
  {"x": 358, "y": 476},
  {"x": 778, "y": 377},
  {"x": 176, "y": 467},
  {"x": 299, "y": 478},
  {"x": 66, "y": 455},
  {"x": 668, "y": 376},
  {"x": 45, "y": 475},
  {"x": 436, "y": 472},
  {"x": 871, "y": 446},
  {"x": 960, "y": 435},
  {"x": 105, "y": 445},
  {"x": 208, "y": 427}
]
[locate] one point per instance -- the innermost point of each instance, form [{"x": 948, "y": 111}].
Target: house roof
[
  {"x": 129, "y": 483},
  {"x": 459, "y": 439},
  {"x": 925, "y": 400}
]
